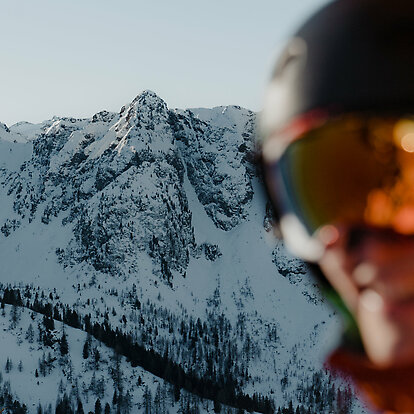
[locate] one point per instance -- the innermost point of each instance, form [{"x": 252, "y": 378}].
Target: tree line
[{"x": 223, "y": 389}]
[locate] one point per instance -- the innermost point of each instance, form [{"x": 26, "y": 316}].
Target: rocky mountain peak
[
  {"x": 147, "y": 111},
  {"x": 148, "y": 97},
  {"x": 146, "y": 101}
]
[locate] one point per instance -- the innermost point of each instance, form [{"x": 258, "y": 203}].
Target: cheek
[
  {"x": 339, "y": 274},
  {"x": 387, "y": 334},
  {"x": 379, "y": 334},
  {"x": 387, "y": 330}
]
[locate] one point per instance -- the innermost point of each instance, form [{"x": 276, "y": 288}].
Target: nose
[{"x": 381, "y": 259}]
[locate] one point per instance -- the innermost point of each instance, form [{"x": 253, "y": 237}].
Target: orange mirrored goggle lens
[{"x": 350, "y": 170}]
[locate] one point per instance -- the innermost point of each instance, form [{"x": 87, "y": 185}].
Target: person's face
[
  {"x": 373, "y": 271},
  {"x": 350, "y": 184}
]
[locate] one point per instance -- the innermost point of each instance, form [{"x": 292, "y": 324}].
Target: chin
[{"x": 387, "y": 332}]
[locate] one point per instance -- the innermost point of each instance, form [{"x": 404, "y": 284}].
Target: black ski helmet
[{"x": 352, "y": 55}]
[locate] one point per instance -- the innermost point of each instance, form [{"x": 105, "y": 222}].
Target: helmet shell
[{"x": 352, "y": 55}]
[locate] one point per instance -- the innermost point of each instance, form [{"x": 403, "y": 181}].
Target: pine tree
[
  {"x": 64, "y": 346},
  {"x": 63, "y": 406},
  {"x": 147, "y": 400},
  {"x": 9, "y": 365},
  {"x": 115, "y": 398},
  {"x": 92, "y": 386},
  {"x": 157, "y": 399},
  {"x": 49, "y": 363},
  {"x": 107, "y": 409},
  {"x": 85, "y": 352},
  {"x": 14, "y": 316},
  {"x": 96, "y": 358},
  {"x": 42, "y": 365},
  {"x": 98, "y": 407},
  {"x": 127, "y": 403},
  {"x": 48, "y": 323},
  {"x": 116, "y": 372},
  {"x": 100, "y": 387},
  {"x": 62, "y": 387},
  {"x": 30, "y": 334},
  {"x": 80, "y": 408}
]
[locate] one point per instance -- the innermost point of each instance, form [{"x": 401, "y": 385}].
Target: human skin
[{"x": 373, "y": 271}]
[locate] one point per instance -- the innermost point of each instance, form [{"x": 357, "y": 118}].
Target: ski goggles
[{"x": 349, "y": 171}]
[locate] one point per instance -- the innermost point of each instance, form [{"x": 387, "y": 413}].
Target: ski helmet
[{"x": 353, "y": 56}]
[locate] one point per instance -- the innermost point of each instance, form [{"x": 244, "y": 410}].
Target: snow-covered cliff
[{"x": 150, "y": 226}]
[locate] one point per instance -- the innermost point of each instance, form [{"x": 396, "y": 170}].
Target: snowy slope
[
  {"x": 39, "y": 376},
  {"x": 152, "y": 221}
]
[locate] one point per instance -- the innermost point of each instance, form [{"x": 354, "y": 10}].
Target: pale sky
[{"x": 76, "y": 58}]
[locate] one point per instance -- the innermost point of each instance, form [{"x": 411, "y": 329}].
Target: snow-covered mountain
[{"x": 139, "y": 269}]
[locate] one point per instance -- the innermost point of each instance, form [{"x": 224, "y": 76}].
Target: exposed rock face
[
  {"x": 216, "y": 146},
  {"x": 118, "y": 179},
  {"x": 151, "y": 223}
]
